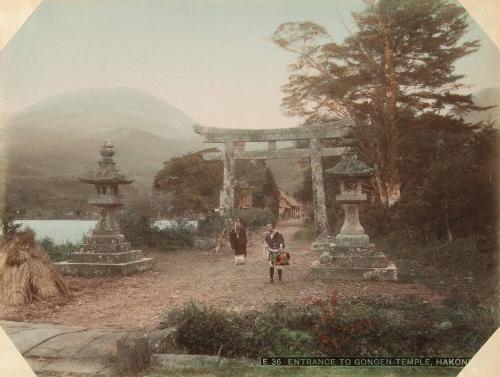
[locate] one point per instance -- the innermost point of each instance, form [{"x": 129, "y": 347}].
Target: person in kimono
[{"x": 238, "y": 240}]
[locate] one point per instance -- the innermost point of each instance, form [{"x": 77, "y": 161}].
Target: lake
[{"x": 62, "y": 231}]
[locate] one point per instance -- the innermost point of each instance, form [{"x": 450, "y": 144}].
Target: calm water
[
  {"x": 73, "y": 230},
  {"x": 59, "y": 230}
]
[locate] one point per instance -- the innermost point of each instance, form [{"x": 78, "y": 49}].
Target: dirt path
[{"x": 136, "y": 302}]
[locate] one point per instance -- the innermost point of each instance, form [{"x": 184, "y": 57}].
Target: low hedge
[{"x": 360, "y": 327}]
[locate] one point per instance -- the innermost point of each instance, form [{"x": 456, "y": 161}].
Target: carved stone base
[
  {"x": 352, "y": 240},
  {"x": 355, "y": 273},
  {"x": 322, "y": 243},
  {"x": 105, "y": 255},
  {"x": 354, "y": 263},
  {"x": 105, "y": 269},
  {"x": 105, "y": 243},
  {"x": 121, "y": 257}
]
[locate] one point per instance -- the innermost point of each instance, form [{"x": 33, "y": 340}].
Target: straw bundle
[{"x": 26, "y": 272}]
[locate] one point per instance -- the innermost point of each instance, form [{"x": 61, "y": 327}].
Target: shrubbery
[
  {"x": 58, "y": 252},
  {"x": 277, "y": 331},
  {"x": 211, "y": 225},
  {"x": 140, "y": 231},
  {"x": 355, "y": 327},
  {"x": 254, "y": 218}
]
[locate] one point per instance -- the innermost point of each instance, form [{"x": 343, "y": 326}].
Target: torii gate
[{"x": 234, "y": 142}]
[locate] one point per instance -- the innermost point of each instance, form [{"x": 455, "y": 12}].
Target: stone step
[
  {"x": 176, "y": 362},
  {"x": 70, "y": 367},
  {"x": 373, "y": 261},
  {"x": 121, "y": 257},
  {"x": 105, "y": 269},
  {"x": 55, "y": 350},
  {"x": 106, "y": 247},
  {"x": 355, "y": 273}
]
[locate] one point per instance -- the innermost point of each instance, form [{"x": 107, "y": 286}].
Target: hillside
[
  {"x": 104, "y": 109},
  {"x": 49, "y": 144}
]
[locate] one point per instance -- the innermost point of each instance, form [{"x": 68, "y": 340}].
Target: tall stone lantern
[
  {"x": 351, "y": 172},
  {"x": 105, "y": 251},
  {"x": 352, "y": 256},
  {"x": 107, "y": 180}
]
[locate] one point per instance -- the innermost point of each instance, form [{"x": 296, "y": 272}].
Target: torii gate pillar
[
  {"x": 318, "y": 186},
  {"x": 227, "y": 199}
]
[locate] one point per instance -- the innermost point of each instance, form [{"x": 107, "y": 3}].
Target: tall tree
[
  {"x": 269, "y": 193},
  {"x": 193, "y": 183},
  {"x": 397, "y": 66}
]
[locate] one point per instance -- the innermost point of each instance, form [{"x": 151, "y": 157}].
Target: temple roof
[
  {"x": 106, "y": 171},
  {"x": 289, "y": 199},
  {"x": 350, "y": 166}
]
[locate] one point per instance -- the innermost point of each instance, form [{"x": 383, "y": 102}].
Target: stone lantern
[
  {"x": 105, "y": 252},
  {"x": 351, "y": 172},
  {"x": 352, "y": 256},
  {"x": 107, "y": 180}
]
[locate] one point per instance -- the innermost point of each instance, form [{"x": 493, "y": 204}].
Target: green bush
[
  {"x": 172, "y": 238},
  {"x": 211, "y": 225},
  {"x": 378, "y": 326},
  {"x": 254, "y": 218},
  {"x": 58, "y": 252},
  {"x": 139, "y": 229},
  {"x": 356, "y": 327},
  {"x": 278, "y": 330}
]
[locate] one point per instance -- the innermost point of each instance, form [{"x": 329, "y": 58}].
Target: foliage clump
[
  {"x": 354, "y": 327},
  {"x": 139, "y": 229},
  {"x": 58, "y": 252},
  {"x": 254, "y": 218}
]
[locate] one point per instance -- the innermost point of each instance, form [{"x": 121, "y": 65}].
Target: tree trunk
[
  {"x": 388, "y": 187},
  {"x": 447, "y": 219},
  {"x": 392, "y": 156}
]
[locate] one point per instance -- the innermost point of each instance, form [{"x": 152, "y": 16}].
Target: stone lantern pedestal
[
  {"x": 106, "y": 252},
  {"x": 351, "y": 256}
]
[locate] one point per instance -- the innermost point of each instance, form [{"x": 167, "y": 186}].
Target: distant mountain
[
  {"x": 52, "y": 142},
  {"x": 104, "y": 109},
  {"x": 486, "y": 97}
]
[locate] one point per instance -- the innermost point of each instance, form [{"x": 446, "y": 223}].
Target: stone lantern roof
[
  {"x": 351, "y": 167},
  {"x": 106, "y": 171}
]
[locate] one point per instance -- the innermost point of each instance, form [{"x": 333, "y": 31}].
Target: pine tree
[{"x": 397, "y": 66}]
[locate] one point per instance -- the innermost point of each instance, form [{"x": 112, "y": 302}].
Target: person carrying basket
[{"x": 277, "y": 257}]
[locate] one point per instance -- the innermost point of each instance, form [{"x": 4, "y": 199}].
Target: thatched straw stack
[{"x": 26, "y": 272}]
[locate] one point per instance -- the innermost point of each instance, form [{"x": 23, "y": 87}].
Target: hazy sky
[{"x": 211, "y": 59}]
